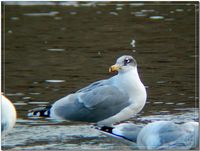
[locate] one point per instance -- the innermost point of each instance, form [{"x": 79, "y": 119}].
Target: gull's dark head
[{"x": 123, "y": 64}]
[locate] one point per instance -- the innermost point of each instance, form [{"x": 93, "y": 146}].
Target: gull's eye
[{"x": 127, "y": 61}]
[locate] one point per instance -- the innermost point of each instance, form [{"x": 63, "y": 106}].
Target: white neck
[{"x": 130, "y": 80}]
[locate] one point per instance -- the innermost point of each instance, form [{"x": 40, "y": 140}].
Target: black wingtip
[{"x": 104, "y": 128}]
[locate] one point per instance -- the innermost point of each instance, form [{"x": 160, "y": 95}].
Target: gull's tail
[{"x": 40, "y": 112}]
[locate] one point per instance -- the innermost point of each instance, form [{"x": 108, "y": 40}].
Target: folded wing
[{"x": 94, "y": 103}]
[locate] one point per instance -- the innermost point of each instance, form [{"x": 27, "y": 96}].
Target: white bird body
[
  {"x": 8, "y": 114},
  {"x": 106, "y": 101},
  {"x": 137, "y": 96}
]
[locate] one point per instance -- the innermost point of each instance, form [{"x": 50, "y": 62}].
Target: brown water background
[{"x": 52, "y": 50}]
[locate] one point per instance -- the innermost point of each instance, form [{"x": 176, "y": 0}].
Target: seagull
[
  {"x": 156, "y": 135},
  {"x": 104, "y": 102},
  {"x": 168, "y": 135},
  {"x": 8, "y": 114}
]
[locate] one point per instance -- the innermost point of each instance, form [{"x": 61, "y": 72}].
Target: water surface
[{"x": 53, "y": 50}]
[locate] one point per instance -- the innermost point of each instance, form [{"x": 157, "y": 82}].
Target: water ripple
[
  {"x": 53, "y": 13},
  {"x": 54, "y": 81},
  {"x": 156, "y": 17}
]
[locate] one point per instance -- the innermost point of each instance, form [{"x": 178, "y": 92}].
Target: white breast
[{"x": 130, "y": 83}]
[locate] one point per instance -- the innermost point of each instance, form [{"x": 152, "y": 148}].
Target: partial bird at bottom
[{"x": 161, "y": 135}]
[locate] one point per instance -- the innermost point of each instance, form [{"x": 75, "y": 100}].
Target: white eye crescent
[{"x": 127, "y": 61}]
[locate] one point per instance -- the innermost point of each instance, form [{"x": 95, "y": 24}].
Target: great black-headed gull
[{"x": 106, "y": 101}]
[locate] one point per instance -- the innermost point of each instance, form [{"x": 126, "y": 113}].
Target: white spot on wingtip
[
  {"x": 46, "y": 113},
  {"x": 30, "y": 114},
  {"x": 37, "y": 114}
]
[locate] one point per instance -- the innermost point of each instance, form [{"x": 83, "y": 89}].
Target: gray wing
[
  {"x": 94, "y": 85},
  {"x": 92, "y": 104},
  {"x": 131, "y": 132},
  {"x": 128, "y": 131},
  {"x": 169, "y": 132},
  {"x": 183, "y": 141},
  {"x": 175, "y": 137}
]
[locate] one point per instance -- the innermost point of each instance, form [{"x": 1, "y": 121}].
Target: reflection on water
[{"x": 55, "y": 50}]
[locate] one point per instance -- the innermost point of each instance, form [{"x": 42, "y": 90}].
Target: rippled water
[{"x": 53, "y": 50}]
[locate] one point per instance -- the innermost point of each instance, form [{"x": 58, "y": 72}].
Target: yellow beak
[{"x": 114, "y": 68}]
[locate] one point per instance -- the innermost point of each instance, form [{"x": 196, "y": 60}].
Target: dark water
[{"x": 53, "y": 50}]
